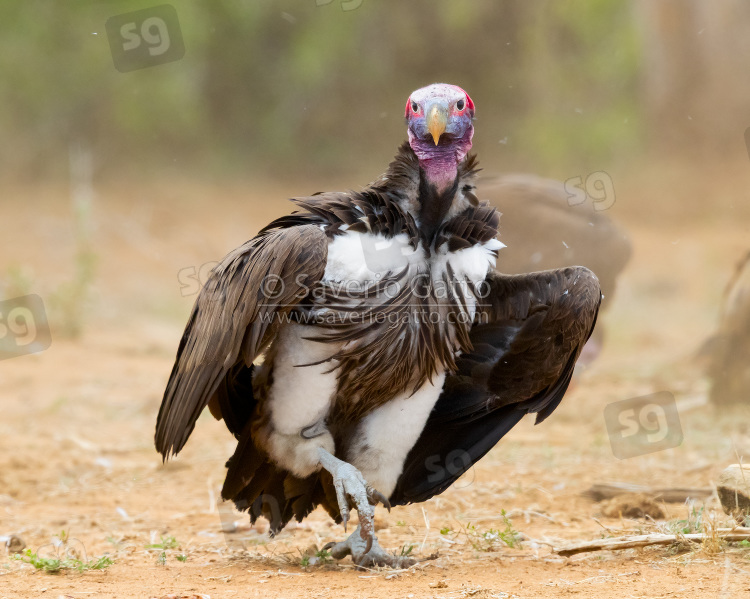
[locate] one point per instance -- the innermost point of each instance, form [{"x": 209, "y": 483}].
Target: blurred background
[
  {"x": 280, "y": 98},
  {"x": 309, "y": 87},
  {"x": 124, "y": 177}
]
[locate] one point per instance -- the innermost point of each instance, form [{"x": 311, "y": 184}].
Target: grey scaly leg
[{"x": 350, "y": 483}]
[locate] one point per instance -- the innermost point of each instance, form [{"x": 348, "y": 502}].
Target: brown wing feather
[{"x": 234, "y": 318}]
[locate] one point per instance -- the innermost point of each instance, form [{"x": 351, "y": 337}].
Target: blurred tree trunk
[{"x": 696, "y": 72}]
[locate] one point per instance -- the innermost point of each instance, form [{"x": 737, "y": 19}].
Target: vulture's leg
[
  {"x": 357, "y": 547},
  {"x": 350, "y": 483}
]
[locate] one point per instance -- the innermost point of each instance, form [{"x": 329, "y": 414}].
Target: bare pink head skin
[{"x": 439, "y": 120}]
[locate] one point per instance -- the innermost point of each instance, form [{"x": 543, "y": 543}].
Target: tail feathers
[{"x": 259, "y": 487}]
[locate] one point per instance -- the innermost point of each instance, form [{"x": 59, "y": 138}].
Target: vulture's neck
[
  {"x": 439, "y": 163},
  {"x": 434, "y": 203},
  {"x": 438, "y": 178}
]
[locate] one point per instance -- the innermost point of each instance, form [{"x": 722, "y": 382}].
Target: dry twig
[{"x": 726, "y": 534}]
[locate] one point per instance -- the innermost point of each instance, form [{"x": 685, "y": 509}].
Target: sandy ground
[{"x": 76, "y": 428}]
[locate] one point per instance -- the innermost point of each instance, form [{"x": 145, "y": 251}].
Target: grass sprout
[
  {"x": 168, "y": 542},
  {"x": 54, "y": 565},
  {"x": 491, "y": 540}
]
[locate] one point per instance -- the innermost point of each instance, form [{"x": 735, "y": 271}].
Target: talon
[
  {"x": 366, "y": 552},
  {"x": 377, "y": 497},
  {"x": 368, "y": 543}
]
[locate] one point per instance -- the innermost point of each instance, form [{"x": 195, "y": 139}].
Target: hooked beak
[{"x": 437, "y": 119}]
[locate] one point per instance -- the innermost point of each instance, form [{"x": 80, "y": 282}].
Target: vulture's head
[{"x": 439, "y": 119}]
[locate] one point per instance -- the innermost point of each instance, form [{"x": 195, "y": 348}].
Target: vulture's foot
[
  {"x": 350, "y": 484},
  {"x": 367, "y": 556}
]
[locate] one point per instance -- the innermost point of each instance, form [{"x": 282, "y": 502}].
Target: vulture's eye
[
  {"x": 414, "y": 107},
  {"x": 460, "y": 104}
]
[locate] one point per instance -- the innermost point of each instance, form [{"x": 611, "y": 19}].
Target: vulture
[
  {"x": 546, "y": 225},
  {"x": 728, "y": 350},
  {"x": 363, "y": 350}
]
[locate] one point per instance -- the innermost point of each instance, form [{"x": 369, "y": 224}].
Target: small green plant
[
  {"x": 162, "y": 559},
  {"x": 321, "y": 556},
  {"x": 181, "y": 558},
  {"x": 744, "y": 544},
  {"x": 54, "y": 565},
  {"x": 407, "y": 549},
  {"x": 168, "y": 542},
  {"x": 692, "y": 524},
  {"x": 400, "y": 523},
  {"x": 487, "y": 541},
  {"x": 446, "y": 530}
]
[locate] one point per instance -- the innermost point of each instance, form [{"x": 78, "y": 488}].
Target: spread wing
[
  {"x": 234, "y": 318},
  {"x": 527, "y": 338}
]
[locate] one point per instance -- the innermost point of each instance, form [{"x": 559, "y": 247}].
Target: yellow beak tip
[{"x": 436, "y": 122}]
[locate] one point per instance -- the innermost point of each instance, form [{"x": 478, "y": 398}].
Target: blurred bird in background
[
  {"x": 727, "y": 352},
  {"x": 546, "y": 226}
]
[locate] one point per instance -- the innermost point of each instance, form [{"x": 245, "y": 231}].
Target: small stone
[
  {"x": 733, "y": 488},
  {"x": 15, "y": 544}
]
